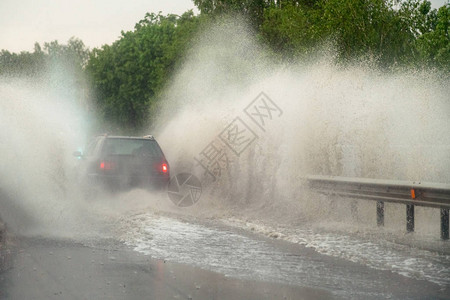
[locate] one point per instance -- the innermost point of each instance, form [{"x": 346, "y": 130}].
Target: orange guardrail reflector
[{"x": 413, "y": 194}]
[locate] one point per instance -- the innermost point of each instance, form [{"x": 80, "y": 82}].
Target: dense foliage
[
  {"x": 72, "y": 57},
  {"x": 393, "y": 32},
  {"x": 128, "y": 76}
]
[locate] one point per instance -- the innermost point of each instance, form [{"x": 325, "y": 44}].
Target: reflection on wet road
[{"x": 239, "y": 254}]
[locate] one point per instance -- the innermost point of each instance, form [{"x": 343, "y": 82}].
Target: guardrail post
[
  {"x": 409, "y": 218},
  {"x": 436, "y": 195},
  {"x": 380, "y": 213},
  {"x": 444, "y": 223}
]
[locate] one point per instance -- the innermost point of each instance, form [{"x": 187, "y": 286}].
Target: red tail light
[
  {"x": 107, "y": 165},
  {"x": 164, "y": 168}
]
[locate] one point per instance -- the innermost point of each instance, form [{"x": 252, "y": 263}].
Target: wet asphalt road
[
  {"x": 48, "y": 269},
  {"x": 57, "y": 269}
]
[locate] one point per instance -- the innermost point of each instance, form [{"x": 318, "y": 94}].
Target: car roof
[{"x": 146, "y": 137}]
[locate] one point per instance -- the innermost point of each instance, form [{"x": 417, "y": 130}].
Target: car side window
[
  {"x": 91, "y": 147},
  {"x": 98, "y": 145}
]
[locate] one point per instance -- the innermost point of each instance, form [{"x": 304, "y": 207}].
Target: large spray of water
[
  {"x": 351, "y": 121},
  {"x": 41, "y": 122},
  {"x": 347, "y": 121}
]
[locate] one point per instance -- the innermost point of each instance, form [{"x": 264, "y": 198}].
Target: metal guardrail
[{"x": 412, "y": 194}]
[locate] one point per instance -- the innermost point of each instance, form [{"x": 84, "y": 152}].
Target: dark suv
[{"x": 120, "y": 162}]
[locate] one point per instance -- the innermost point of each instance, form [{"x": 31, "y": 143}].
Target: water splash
[
  {"x": 41, "y": 122},
  {"x": 351, "y": 120}
]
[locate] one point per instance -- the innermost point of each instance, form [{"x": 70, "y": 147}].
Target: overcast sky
[{"x": 95, "y": 22}]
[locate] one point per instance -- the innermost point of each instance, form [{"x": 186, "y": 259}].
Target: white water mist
[{"x": 351, "y": 121}]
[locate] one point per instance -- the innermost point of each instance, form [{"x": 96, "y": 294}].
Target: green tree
[
  {"x": 252, "y": 9},
  {"x": 73, "y": 55},
  {"x": 433, "y": 44},
  {"x": 383, "y": 29},
  {"x": 129, "y": 75},
  {"x": 374, "y": 28},
  {"x": 22, "y": 64},
  {"x": 292, "y": 28}
]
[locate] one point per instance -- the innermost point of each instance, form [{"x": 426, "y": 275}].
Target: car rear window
[{"x": 118, "y": 146}]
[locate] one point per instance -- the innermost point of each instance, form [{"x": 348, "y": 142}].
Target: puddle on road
[{"x": 239, "y": 255}]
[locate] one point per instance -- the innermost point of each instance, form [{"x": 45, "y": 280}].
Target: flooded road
[
  {"x": 169, "y": 257},
  {"x": 49, "y": 269},
  {"x": 354, "y": 270}
]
